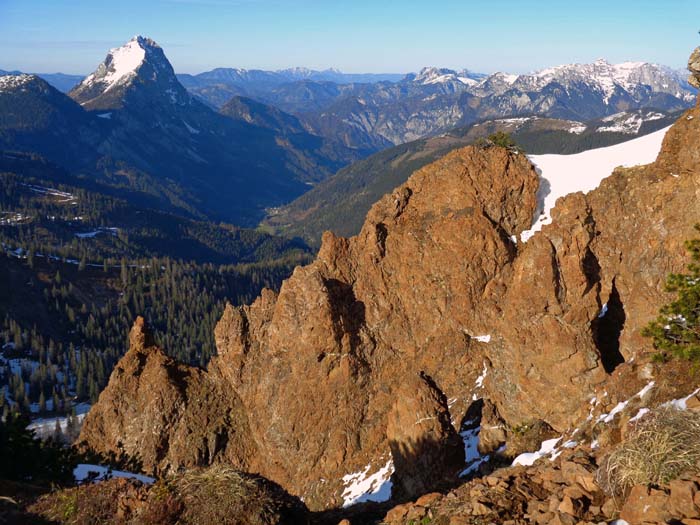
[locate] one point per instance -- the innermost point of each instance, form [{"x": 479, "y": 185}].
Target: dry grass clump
[
  {"x": 90, "y": 504},
  {"x": 205, "y": 496},
  {"x": 222, "y": 495},
  {"x": 661, "y": 446}
]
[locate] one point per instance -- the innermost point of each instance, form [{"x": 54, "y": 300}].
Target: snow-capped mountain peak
[
  {"x": 435, "y": 75},
  {"x": 141, "y": 58},
  {"x": 122, "y": 63}
]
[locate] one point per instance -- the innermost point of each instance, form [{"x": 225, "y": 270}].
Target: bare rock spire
[{"x": 694, "y": 68}]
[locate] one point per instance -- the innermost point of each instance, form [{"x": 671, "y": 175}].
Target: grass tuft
[{"x": 661, "y": 446}]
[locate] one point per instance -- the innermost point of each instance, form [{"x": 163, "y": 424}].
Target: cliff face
[{"x": 321, "y": 380}]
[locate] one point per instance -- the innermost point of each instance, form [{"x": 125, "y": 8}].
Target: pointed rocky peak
[
  {"x": 694, "y": 68},
  {"x": 140, "y": 64},
  {"x": 140, "y": 336},
  {"x": 498, "y": 80}
]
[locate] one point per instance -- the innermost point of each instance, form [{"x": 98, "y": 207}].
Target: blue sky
[{"x": 73, "y": 36}]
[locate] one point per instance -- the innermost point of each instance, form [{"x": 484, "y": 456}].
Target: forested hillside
[{"x": 77, "y": 266}]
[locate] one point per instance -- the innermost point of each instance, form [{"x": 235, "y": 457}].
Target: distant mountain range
[
  {"x": 436, "y": 101},
  {"x": 378, "y": 114},
  {"x": 229, "y": 143}
]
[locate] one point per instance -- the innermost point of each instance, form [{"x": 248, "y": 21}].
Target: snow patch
[
  {"x": 472, "y": 456},
  {"x": 640, "y": 414},
  {"x": 362, "y": 486},
  {"x": 682, "y": 403},
  {"x": 577, "y": 129},
  {"x": 480, "y": 380},
  {"x": 629, "y": 123},
  {"x": 547, "y": 448},
  {"x": 92, "y": 234},
  {"x": 84, "y": 471},
  {"x": 603, "y": 311},
  {"x": 67, "y": 197},
  {"x": 562, "y": 175},
  {"x": 123, "y": 62},
  {"x": 192, "y": 130},
  {"x": 46, "y": 426},
  {"x": 607, "y": 418}
]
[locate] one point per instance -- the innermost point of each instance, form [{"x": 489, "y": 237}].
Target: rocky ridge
[{"x": 433, "y": 289}]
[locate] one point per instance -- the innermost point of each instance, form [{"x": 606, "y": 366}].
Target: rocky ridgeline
[{"x": 370, "y": 357}]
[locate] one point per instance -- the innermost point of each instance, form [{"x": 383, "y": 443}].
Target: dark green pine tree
[{"x": 677, "y": 329}]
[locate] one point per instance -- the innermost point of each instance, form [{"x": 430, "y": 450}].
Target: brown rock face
[
  {"x": 164, "y": 414},
  {"x": 426, "y": 449},
  {"x": 694, "y": 68},
  {"x": 323, "y": 365},
  {"x": 323, "y": 379}
]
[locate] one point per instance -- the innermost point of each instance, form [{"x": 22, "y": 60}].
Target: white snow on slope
[
  {"x": 362, "y": 486},
  {"x": 94, "y": 233},
  {"x": 547, "y": 448},
  {"x": 681, "y": 404},
  {"x": 67, "y": 197},
  {"x": 577, "y": 129},
  {"x": 607, "y": 418},
  {"x": 45, "y": 427},
  {"x": 125, "y": 60},
  {"x": 561, "y": 175},
  {"x": 11, "y": 82},
  {"x": 121, "y": 62},
  {"x": 193, "y": 131},
  {"x": 629, "y": 123},
  {"x": 473, "y": 459},
  {"x": 82, "y": 472}
]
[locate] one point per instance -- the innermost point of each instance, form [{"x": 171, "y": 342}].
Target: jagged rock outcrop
[
  {"x": 166, "y": 415},
  {"x": 694, "y": 68},
  {"x": 312, "y": 379}
]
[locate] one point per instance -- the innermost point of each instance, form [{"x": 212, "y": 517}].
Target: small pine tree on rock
[
  {"x": 677, "y": 329},
  {"x": 500, "y": 138}
]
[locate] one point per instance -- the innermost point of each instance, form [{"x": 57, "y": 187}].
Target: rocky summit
[{"x": 371, "y": 359}]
